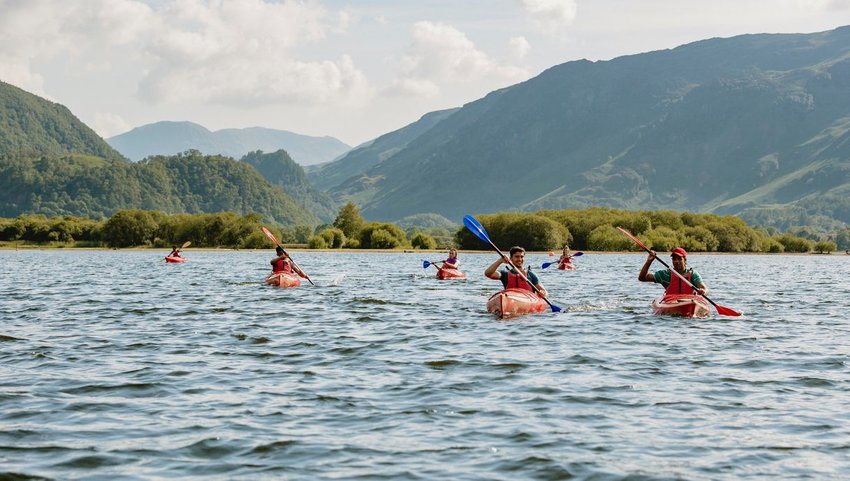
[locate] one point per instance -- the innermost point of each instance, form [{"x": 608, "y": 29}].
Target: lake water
[{"x": 115, "y": 365}]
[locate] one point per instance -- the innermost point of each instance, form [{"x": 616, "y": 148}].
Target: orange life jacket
[
  {"x": 282, "y": 266},
  {"x": 517, "y": 282},
  {"x": 678, "y": 286}
]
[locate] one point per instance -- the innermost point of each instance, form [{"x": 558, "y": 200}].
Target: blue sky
[{"x": 352, "y": 69}]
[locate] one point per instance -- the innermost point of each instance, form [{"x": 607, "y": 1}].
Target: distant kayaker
[
  {"x": 672, "y": 283},
  {"x": 566, "y": 257},
  {"x": 451, "y": 262},
  {"x": 282, "y": 263},
  {"x": 510, "y": 279},
  {"x": 175, "y": 252}
]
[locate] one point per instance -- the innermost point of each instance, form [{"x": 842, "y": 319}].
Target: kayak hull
[
  {"x": 566, "y": 267},
  {"x": 175, "y": 260},
  {"x": 283, "y": 279},
  {"x": 450, "y": 274},
  {"x": 682, "y": 305},
  {"x": 515, "y": 302}
]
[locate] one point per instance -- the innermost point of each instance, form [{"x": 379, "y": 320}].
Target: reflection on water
[{"x": 116, "y": 365}]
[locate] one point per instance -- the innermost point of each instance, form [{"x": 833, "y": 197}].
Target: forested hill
[
  {"x": 721, "y": 125},
  {"x": 280, "y": 170},
  {"x": 95, "y": 187},
  {"x": 33, "y": 125},
  {"x": 168, "y": 138}
]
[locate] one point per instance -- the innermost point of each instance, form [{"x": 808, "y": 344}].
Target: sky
[{"x": 349, "y": 69}]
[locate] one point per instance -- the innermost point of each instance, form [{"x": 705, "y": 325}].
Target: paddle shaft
[
  {"x": 721, "y": 309},
  {"x": 274, "y": 239}
]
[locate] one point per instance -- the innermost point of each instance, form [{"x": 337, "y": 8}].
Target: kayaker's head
[
  {"x": 279, "y": 250},
  {"x": 680, "y": 258},
  {"x": 453, "y": 253},
  {"x": 517, "y": 256},
  {"x": 567, "y": 249},
  {"x": 173, "y": 248}
]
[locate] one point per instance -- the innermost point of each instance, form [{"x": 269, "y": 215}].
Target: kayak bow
[
  {"x": 510, "y": 303},
  {"x": 682, "y": 305},
  {"x": 283, "y": 279}
]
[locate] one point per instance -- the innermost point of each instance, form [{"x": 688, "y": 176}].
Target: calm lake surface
[{"x": 115, "y": 365}]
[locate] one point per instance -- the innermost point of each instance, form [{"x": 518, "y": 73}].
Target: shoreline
[{"x": 36, "y": 247}]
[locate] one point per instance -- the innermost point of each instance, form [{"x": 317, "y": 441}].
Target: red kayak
[
  {"x": 683, "y": 305},
  {"x": 566, "y": 266},
  {"x": 283, "y": 279},
  {"x": 448, "y": 273},
  {"x": 515, "y": 302},
  {"x": 175, "y": 259}
]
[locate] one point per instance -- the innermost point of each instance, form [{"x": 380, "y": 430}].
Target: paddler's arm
[
  {"x": 540, "y": 289},
  {"x": 702, "y": 289},
  {"x": 298, "y": 270},
  {"x": 645, "y": 275},
  {"x": 274, "y": 261},
  {"x": 492, "y": 270}
]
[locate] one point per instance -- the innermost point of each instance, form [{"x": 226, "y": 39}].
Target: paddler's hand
[{"x": 651, "y": 256}]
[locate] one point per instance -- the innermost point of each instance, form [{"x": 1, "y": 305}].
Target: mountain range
[
  {"x": 753, "y": 125},
  {"x": 733, "y": 126},
  {"x": 53, "y": 164},
  {"x": 168, "y": 138}
]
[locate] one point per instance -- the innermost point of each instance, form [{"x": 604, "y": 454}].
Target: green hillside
[
  {"x": 364, "y": 157},
  {"x": 94, "y": 187},
  {"x": 279, "y": 169},
  {"x": 721, "y": 125},
  {"x": 30, "y": 124}
]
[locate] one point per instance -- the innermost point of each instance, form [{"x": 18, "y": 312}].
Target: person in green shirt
[
  {"x": 672, "y": 283},
  {"x": 509, "y": 277}
]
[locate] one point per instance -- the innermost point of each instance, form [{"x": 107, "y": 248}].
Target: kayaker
[
  {"x": 672, "y": 283},
  {"x": 509, "y": 277},
  {"x": 175, "y": 252},
  {"x": 282, "y": 263},
  {"x": 566, "y": 256},
  {"x": 451, "y": 262}
]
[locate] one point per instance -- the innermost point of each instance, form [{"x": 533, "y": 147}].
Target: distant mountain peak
[{"x": 171, "y": 137}]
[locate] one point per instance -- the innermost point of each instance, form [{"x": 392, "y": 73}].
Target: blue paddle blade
[
  {"x": 547, "y": 264},
  {"x": 578, "y": 254},
  {"x": 425, "y": 264},
  {"x": 476, "y": 228}
]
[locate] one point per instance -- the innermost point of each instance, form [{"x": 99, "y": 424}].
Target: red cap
[{"x": 679, "y": 252}]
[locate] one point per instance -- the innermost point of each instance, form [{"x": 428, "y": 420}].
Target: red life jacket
[
  {"x": 282, "y": 266},
  {"x": 678, "y": 286},
  {"x": 517, "y": 282}
]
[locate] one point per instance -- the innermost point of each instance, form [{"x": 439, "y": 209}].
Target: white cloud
[
  {"x": 213, "y": 51},
  {"x": 109, "y": 124},
  {"x": 551, "y": 14},
  {"x": 822, "y": 4},
  {"x": 519, "y": 47},
  {"x": 441, "y": 54}
]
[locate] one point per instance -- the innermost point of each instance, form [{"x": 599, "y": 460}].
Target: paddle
[
  {"x": 426, "y": 264},
  {"x": 476, "y": 228},
  {"x": 271, "y": 236},
  {"x": 722, "y": 310},
  {"x": 547, "y": 264}
]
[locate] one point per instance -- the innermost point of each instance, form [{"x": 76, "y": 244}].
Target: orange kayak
[
  {"x": 683, "y": 305},
  {"x": 515, "y": 302},
  {"x": 175, "y": 259},
  {"x": 283, "y": 279},
  {"x": 447, "y": 273},
  {"x": 566, "y": 266}
]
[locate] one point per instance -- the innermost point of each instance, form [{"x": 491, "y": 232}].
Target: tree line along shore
[{"x": 593, "y": 229}]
